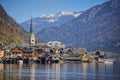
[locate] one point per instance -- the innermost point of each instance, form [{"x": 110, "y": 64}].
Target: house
[
  {"x": 40, "y": 52},
  {"x": 55, "y": 44},
  {"x": 99, "y": 55},
  {"x": 28, "y": 52},
  {"x": 15, "y": 52},
  {"x": 1, "y": 53},
  {"x": 1, "y": 50}
]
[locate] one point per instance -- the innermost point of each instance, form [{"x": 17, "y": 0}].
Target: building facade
[
  {"x": 15, "y": 52},
  {"x": 55, "y": 44},
  {"x": 1, "y": 50}
]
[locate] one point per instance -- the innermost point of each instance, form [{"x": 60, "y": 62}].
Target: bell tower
[{"x": 32, "y": 36}]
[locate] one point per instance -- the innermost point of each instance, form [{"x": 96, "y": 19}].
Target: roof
[
  {"x": 16, "y": 50},
  {"x": 27, "y": 51}
]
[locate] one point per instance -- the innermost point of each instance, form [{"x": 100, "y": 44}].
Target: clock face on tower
[{"x": 32, "y": 39}]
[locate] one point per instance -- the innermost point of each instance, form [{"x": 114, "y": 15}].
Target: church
[{"x": 32, "y": 36}]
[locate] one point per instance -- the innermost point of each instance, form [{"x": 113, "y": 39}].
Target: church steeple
[
  {"x": 32, "y": 36},
  {"x": 31, "y": 26}
]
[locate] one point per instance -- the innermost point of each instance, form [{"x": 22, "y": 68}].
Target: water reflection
[
  {"x": 1, "y": 74},
  {"x": 67, "y": 71},
  {"x": 84, "y": 66},
  {"x": 58, "y": 72},
  {"x": 20, "y": 71},
  {"x": 32, "y": 75}
]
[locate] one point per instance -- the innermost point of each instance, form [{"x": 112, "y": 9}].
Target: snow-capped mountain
[
  {"x": 50, "y": 20},
  {"x": 96, "y": 28}
]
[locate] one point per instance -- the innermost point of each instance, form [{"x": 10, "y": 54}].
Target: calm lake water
[{"x": 66, "y": 71}]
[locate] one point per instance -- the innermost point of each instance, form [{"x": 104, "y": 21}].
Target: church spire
[
  {"x": 32, "y": 36},
  {"x": 31, "y": 26}
]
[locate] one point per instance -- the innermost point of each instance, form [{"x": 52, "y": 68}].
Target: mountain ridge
[
  {"x": 97, "y": 27},
  {"x": 50, "y": 20}
]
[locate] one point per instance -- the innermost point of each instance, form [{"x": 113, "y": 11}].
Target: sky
[{"x": 22, "y": 10}]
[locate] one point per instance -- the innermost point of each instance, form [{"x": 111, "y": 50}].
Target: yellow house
[
  {"x": 1, "y": 53},
  {"x": 1, "y": 50}
]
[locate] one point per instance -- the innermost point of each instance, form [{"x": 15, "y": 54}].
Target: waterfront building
[
  {"x": 15, "y": 52},
  {"x": 99, "y": 55},
  {"x": 1, "y": 50},
  {"x": 1, "y": 53},
  {"x": 32, "y": 36},
  {"x": 28, "y": 53},
  {"x": 40, "y": 52}
]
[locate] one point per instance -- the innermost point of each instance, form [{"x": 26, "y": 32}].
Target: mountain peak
[
  {"x": 45, "y": 21},
  {"x": 47, "y": 16},
  {"x": 75, "y": 14}
]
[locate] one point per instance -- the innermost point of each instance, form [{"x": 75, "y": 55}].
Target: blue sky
[{"x": 22, "y": 10}]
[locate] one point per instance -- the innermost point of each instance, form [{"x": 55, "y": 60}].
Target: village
[{"x": 50, "y": 52}]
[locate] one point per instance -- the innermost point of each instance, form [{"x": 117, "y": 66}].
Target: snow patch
[
  {"x": 52, "y": 20},
  {"x": 47, "y": 16},
  {"x": 68, "y": 13},
  {"x": 60, "y": 14}
]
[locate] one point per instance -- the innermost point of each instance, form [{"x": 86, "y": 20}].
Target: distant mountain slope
[
  {"x": 46, "y": 21},
  {"x": 98, "y": 27},
  {"x": 10, "y": 31}
]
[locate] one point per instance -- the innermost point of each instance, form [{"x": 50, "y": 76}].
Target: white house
[{"x": 55, "y": 44}]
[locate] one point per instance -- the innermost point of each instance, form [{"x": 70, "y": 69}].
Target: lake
[{"x": 66, "y": 71}]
